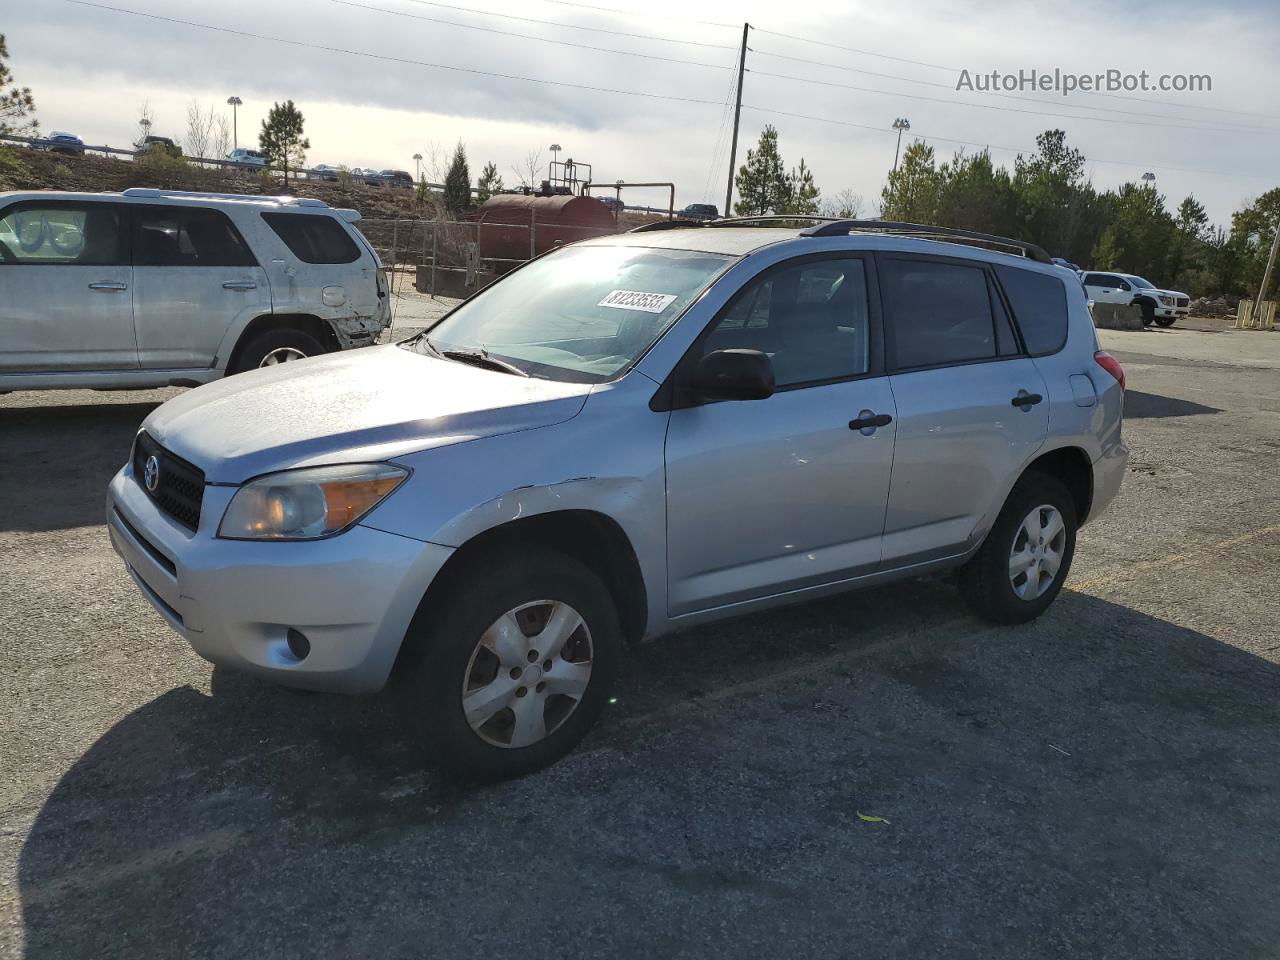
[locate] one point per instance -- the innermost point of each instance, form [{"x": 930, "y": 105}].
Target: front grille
[
  {"x": 179, "y": 487},
  {"x": 1184, "y": 301}
]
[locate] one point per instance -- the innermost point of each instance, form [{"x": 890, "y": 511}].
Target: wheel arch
[
  {"x": 306, "y": 322},
  {"x": 1072, "y": 467}
]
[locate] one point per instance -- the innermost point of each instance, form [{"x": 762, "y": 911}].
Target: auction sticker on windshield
[{"x": 635, "y": 300}]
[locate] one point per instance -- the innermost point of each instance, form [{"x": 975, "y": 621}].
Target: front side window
[
  {"x": 63, "y": 232},
  {"x": 580, "y": 315},
  {"x": 811, "y": 318},
  {"x": 188, "y": 237},
  {"x": 314, "y": 238},
  {"x": 937, "y": 313}
]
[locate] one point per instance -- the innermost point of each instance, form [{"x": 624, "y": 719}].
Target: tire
[
  {"x": 987, "y": 582},
  {"x": 1166, "y": 321},
  {"x": 1148, "y": 313},
  {"x": 446, "y": 652},
  {"x": 287, "y": 343}
]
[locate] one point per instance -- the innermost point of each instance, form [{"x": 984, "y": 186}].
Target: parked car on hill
[
  {"x": 149, "y": 288},
  {"x": 323, "y": 171},
  {"x": 613, "y": 203},
  {"x": 699, "y": 211},
  {"x": 622, "y": 438},
  {"x": 150, "y": 144},
  {"x": 1162, "y": 307},
  {"x": 61, "y": 142},
  {"x": 396, "y": 178},
  {"x": 368, "y": 176}
]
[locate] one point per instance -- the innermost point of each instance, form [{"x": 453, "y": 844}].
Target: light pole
[
  {"x": 145, "y": 124},
  {"x": 900, "y": 124},
  {"x": 555, "y": 151},
  {"x": 234, "y": 102},
  {"x": 417, "y": 166},
  {"x": 1148, "y": 177}
]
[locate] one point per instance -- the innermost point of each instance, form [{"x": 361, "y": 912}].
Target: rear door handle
[
  {"x": 109, "y": 285},
  {"x": 1024, "y": 399},
  {"x": 869, "y": 421},
  {"x": 239, "y": 285}
]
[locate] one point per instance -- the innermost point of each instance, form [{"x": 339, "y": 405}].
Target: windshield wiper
[
  {"x": 425, "y": 341},
  {"x": 482, "y": 358}
]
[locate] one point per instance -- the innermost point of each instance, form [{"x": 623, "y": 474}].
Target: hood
[
  {"x": 375, "y": 403},
  {"x": 1168, "y": 293}
]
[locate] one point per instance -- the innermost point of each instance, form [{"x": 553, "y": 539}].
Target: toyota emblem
[{"x": 151, "y": 473}]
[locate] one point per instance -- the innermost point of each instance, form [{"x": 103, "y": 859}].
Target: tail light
[{"x": 1110, "y": 364}]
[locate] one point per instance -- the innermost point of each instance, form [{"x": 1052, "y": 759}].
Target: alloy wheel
[
  {"x": 282, "y": 355},
  {"x": 1037, "y": 552}
]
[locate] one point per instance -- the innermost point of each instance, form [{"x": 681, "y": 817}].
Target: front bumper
[
  {"x": 1163, "y": 311},
  {"x": 352, "y": 595}
]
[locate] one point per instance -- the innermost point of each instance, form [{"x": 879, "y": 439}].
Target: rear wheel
[
  {"x": 275, "y": 347},
  {"x": 513, "y": 671},
  {"x": 1022, "y": 564}
]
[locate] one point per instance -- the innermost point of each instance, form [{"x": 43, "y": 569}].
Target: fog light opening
[{"x": 299, "y": 645}]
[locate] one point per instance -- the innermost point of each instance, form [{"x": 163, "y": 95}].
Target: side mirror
[
  {"x": 735, "y": 374},
  {"x": 1125, "y": 285}
]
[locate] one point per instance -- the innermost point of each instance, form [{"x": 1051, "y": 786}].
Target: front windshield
[
  {"x": 1140, "y": 283},
  {"x": 581, "y": 314}
]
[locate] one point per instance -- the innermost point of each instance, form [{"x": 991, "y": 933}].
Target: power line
[
  {"x": 1011, "y": 96},
  {"x": 525, "y": 36},
  {"x": 1145, "y": 164},
  {"x": 865, "y": 53},
  {"x": 572, "y": 26},
  {"x": 387, "y": 58},
  {"x": 992, "y": 106},
  {"x": 636, "y": 13}
]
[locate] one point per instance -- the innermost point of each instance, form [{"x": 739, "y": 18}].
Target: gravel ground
[{"x": 1102, "y": 783}]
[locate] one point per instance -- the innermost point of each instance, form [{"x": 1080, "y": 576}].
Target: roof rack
[
  {"x": 665, "y": 225},
  {"x": 284, "y": 201},
  {"x": 836, "y": 228}
]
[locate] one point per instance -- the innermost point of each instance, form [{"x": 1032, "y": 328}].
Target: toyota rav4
[{"x": 625, "y": 437}]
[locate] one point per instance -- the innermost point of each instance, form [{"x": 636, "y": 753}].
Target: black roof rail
[
  {"x": 665, "y": 225},
  {"x": 769, "y": 219},
  {"x": 836, "y": 228}
]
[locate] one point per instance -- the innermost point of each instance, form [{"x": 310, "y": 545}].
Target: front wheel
[
  {"x": 1166, "y": 321},
  {"x": 515, "y": 668},
  {"x": 1148, "y": 313},
  {"x": 1021, "y": 566}
]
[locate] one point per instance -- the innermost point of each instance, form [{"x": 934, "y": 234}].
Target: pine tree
[
  {"x": 762, "y": 180},
  {"x": 281, "y": 138},
  {"x": 490, "y": 182},
  {"x": 801, "y": 193},
  {"x": 17, "y": 105},
  {"x": 457, "y": 182}
]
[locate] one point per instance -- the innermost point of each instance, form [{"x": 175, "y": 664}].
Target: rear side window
[
  {"x": 187, "y": 237},
  {"x": 63, "y": 232},
  {"x": 938, "y": 313},
  {"x": 1039, "y": 305},
  {"x": 314, "y": 238}
]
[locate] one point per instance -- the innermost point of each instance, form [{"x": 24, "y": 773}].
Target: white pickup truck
[{"x": 1162, "y": 307}]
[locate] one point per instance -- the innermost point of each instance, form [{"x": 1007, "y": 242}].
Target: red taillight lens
[{"x": 1110, "y": 364}]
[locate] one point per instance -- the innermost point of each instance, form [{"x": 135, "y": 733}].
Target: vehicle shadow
[
  {"x": 74, "y": 450},
  {"x": 1138, "y": 405},
  {"x": 1100, "y": 783}
]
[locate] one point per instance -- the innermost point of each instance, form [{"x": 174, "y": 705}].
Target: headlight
[
  {"x": 1167, "y": 301},
  {"x": 309, "y": 503}
]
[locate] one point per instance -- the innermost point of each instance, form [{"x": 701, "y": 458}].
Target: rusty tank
[{"x": 506, "y": 217}]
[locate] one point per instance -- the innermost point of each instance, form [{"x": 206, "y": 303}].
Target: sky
[{"x": 381, "y": 80}]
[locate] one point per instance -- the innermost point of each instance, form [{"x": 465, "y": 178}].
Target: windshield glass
[
  {"x": 1139, "y": 283},
  {"x": 581, "y": 314}
]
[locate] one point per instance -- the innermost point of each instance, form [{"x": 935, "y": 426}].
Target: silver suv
[
  {"x": 148, "y": 288},
  {"x": 622, "y": 438}
]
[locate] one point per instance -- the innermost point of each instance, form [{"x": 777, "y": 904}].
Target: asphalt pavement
[{"x": 877, "y": 775}]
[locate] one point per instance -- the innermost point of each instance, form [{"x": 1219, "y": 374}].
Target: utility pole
[
  {"x": 899, "y": 124},
  {"x": 1266, "y": 275},
  {"x": 737, "y": 115}
]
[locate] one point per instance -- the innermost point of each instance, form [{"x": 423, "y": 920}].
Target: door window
[
  {"x": 811, "y": 318},
  {"x": 936, "y": 313},
  {"x": 188, "y": 237},
  {"x": 63, "y": 232}
]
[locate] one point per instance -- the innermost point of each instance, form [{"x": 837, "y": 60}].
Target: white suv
[{"x": 149, "y": 288}]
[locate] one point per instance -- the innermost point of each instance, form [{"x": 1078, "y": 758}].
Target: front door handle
[
  {"x": 239, "y": 285},
  {"x": 109, "y": 285},
  {"x": 868, "y": 421},
  {"x": 1024, "y": 399}
]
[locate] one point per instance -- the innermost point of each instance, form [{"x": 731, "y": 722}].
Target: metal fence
[{"x": 455, "y": 258}]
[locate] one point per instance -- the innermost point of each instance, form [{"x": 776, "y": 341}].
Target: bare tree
[
  {"x": 146, "y": 119},
  {"x": 220, "y": 136},
  {"x": 529, "y": 170},
  {"x": 199, "y": 130},
  {"x": 846, "y": 204}
]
